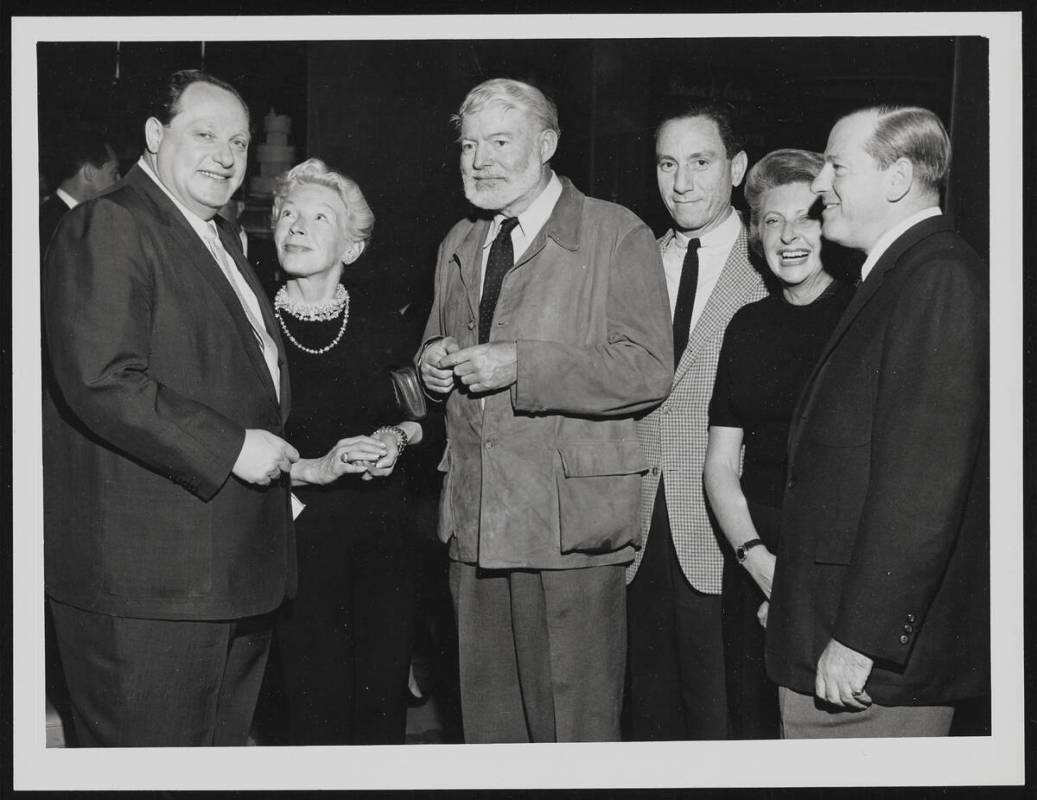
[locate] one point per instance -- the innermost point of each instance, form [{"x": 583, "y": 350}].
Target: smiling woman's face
[
  {"x": 310, "y": 231},
  {"x": 790, "y": 232}
]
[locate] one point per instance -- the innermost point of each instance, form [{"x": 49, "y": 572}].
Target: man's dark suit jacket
[
  {"x": 52, "y": 210},
  {"x": 159, "y": 374},
  {"x": 885, "y": 529}
]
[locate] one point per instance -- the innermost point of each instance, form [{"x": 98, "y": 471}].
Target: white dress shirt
[
  {"x": 66, "y": 198},
  {"x": 530, "y": 222},
  {"x": 714, "y": 249}
]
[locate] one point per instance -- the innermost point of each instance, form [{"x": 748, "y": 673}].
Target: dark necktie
[
  {"x": 502, "y": 258},
  {"x": 685, "y": 300}
]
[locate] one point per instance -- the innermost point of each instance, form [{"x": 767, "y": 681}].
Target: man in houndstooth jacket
[{"x": 677, "y": 682}]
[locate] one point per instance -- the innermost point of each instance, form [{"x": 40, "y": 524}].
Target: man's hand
[
  {"x": 841, "y": 675},
  {"x": 762, "y": 613},
  {"x": 263, "y": 457},
  {"x": 436, "y": 377},
  {"x": 485, "y": 367}
]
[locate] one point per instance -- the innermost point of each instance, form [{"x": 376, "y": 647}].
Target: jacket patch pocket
[{"x": 599, "y": 492}]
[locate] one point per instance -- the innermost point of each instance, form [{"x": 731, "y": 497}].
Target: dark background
[{"x": 380, "y": 112}]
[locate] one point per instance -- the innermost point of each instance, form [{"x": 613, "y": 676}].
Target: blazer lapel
[
  {"x": 233, "y": 247},
  {"x": 735, "y": 282},
  {"x": 199, "y": 257},
  {"x": 864, "y": 295}
]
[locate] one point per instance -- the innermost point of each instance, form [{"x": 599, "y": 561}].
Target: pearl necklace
[{"x": 316, "y": 312}]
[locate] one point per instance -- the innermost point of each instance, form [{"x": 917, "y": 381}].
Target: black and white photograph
[{"x": 517, "y": 401}]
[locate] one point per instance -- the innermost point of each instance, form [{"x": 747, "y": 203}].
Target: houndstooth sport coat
[{"x": 673, "y": 437}]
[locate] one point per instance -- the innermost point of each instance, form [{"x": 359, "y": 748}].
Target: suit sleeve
[
  {"x": 97, "y": 311},
  {"x": 929, "y": 421},
  {"x": 632, "y": 370}
]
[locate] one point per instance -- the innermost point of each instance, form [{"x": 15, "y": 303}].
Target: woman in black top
[
  {"x": 344, "y": 641},
  {"x": 769, "y": 349}
]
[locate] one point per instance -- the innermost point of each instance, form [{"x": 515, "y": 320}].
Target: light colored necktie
[{"x": 248, "y": 301}]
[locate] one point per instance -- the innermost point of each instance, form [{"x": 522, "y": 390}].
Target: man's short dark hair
[
  {"x": 78, "y": 146},
  {"x": 722, "y": 114},
  {"x": 165, "y": 99}
]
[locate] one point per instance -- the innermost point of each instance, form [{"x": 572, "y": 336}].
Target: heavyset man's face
[{"x": 202, "y": 154}]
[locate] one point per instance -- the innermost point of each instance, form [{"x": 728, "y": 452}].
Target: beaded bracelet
[{"x": 397, "y": 433}]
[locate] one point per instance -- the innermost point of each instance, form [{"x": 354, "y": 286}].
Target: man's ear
[
  {"x": 739, "y": 163},
  {"x": 548, "y": 145},
  {"x": 153, "y": 133},
  {"x": 900, "y": 176},
  {"x": 87, "y": 172}
]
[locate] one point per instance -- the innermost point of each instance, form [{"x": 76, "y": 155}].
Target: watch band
[{"x": 743, "y": 549}]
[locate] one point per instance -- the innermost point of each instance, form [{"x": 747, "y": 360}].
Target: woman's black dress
[
  {"x": 343, "y": 644},
  {"x": 769, "y": 349}
]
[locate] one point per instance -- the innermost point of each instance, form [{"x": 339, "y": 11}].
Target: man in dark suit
[
  {"x": 879, "y": 618},
  {"x": 85, "y": 165},
  {"x": 168, "y": 531}
]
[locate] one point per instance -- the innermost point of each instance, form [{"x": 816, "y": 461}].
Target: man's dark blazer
[
  {"x": 159, "y": 375},
  {"x": 885, "y": 528},
  {"x": 52, "y": 210}
]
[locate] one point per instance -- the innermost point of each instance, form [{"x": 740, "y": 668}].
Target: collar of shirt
[
  {"x": 894, "y": 233},
  {"x": 714, "y": 249},
  {"x": 722, "y": 237},
  {"x": 68, "y": 199},
  {"x": 201, "y": 226},
  {"x": 530, "y": 221}
]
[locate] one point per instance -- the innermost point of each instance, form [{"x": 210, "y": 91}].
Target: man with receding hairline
[
  {"x": 879, "y": 619},
  {"x": 167, "y": 524}
]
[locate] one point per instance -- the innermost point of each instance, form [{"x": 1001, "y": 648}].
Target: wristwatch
[{"x": 743, "y": 549}]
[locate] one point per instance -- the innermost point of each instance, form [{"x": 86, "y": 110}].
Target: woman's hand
[
  {"x": 350, "y": 456},
  {"x": 759, "y": 563},
  {"x": 384, "y": 466},
  {"x": 761, "y": 613}
]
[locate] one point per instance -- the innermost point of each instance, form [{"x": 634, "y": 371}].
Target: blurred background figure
[
  {"x": 769, "y": 348},
  {"x": 82, "y": 165}
]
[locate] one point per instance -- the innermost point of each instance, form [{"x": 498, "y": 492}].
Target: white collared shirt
[
  {"x": 66, "y": 198},
  {"x": 714, "y": 249},
  {"x": 530, "y": 222},
  {"x": 894, "y": 233}
]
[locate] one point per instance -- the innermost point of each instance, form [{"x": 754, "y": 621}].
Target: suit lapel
[
  {"x": 199, "y": 257},
  {"x": 233, "y": 247},
  {"x": 865, "y": 293},
  {"x": 736, "y": 280}
]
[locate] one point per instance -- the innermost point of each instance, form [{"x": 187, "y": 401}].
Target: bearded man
[{"x": 549, "y": 332}]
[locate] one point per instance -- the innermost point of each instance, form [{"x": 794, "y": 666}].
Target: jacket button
[
  {"x": 655, "y": 470},
  {"x": 790, "y": 484},
  {"x": 910, "y": 617},
  {"x": 909, "y": 628},
  {"x": 489, "y": 443},
  {"x": 471, "y": 324},
  {"x": 904, "y": 638},
  {"x": 666, "y": 409}
]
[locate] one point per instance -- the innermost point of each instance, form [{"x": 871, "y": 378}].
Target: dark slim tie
[
  {"x": 502, "y": 258},
  {"x": 685, "y": 300}
]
